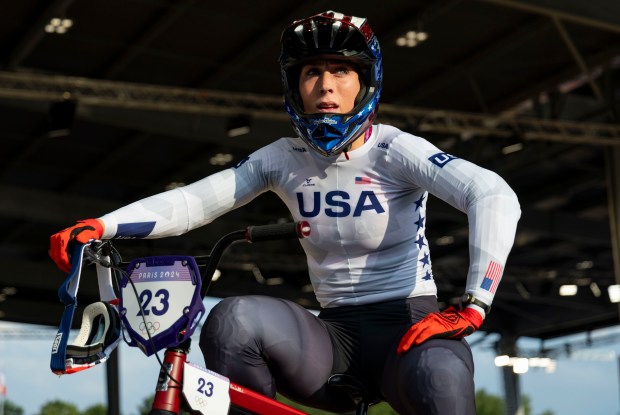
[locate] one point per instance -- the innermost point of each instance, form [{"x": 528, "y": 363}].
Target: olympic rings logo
[
  {"x": 151, "y": 327},
  {"x": 200, "y": 401}
]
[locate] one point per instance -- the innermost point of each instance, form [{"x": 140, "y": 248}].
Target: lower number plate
[{"x": 205, "y": 391}]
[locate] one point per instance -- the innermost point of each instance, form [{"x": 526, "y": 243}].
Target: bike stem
[{"x": 169, "y": 384}]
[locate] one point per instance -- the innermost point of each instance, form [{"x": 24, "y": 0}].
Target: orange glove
[
  {"x": 448, "y": 324},
  {"x": 62, "y": 243}
]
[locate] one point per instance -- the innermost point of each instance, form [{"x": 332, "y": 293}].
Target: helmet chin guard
[
  {"x": 100, "y": 332},
  {"x": 98, "y": 337},
  {"x": 343, "y": 37}
]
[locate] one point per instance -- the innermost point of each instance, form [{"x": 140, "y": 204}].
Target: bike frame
[{"x": 169, "y": 398}]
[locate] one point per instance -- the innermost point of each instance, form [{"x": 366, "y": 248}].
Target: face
[{"x": 328, "y": 86}]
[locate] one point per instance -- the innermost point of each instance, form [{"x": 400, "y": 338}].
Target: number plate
[
  {"x": 205, "y": 391},
  {"x": 166, "y": 303}
]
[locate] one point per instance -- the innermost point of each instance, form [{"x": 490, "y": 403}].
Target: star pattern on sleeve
[
  {"x": 420, "y": 222},
  {"x": 424, "y": 255},
  {"x": 419, "y": 202}
]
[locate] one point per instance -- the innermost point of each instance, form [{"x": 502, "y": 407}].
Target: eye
[
  {"x": 310, "y": 71},
  {"x": 343, "y": 69}
]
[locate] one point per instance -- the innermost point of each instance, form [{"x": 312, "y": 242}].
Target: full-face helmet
[{"x": 331, "y": 33}]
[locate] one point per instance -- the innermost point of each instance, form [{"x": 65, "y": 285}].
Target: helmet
[
  {"x": 331, "y": 33},
  {"x": 99, "y": 335}
]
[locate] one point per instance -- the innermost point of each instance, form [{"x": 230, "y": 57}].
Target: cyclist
[{"x": 363, "y": 187}]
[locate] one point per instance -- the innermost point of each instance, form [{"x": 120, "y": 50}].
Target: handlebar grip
[{"x": 279, "y": 231}]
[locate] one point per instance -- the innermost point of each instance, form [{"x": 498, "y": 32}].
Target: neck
[{"x": 361, "y": 139}]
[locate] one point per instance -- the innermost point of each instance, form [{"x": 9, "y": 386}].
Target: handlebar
[
  {"x": 250, "y": 234},
  {"x": 98, "y": 253}
]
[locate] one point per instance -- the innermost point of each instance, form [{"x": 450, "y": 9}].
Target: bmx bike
[{"x": 160, "y": 306}]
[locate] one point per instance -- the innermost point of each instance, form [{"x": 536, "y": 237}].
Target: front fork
[{"x": 169, "y": 384}]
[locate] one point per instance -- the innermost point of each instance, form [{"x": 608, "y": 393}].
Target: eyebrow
[{"x": 316, "y": 62}]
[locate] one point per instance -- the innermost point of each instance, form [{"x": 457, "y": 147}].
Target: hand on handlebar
[
  {"x": 448, "y": 324},
  {"x": 62, "y": 243}
]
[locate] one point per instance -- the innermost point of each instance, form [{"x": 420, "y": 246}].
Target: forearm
[{"x": 493, "y": 222}]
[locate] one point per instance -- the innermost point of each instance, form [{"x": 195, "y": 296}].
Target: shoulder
[
  {"x": 278, "y": 154},
  {"x": 401, "y": 145},
  {"x": 282, "y": 146}
]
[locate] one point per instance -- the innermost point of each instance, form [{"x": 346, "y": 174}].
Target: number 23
[
  {"x": 205, "y": 387},
  {"x": 145, "y": 299}
]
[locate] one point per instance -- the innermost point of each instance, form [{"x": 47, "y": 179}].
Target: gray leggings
[{"x": 264, "y": 343}]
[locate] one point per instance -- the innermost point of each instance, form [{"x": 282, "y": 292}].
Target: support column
[
  {"x": 113, "y": 378},
  {"x": 612, "y": 161},
  {"x": 512, "y": 390}
]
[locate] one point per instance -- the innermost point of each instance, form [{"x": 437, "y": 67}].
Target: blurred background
[{"x": 105, "y": 102}]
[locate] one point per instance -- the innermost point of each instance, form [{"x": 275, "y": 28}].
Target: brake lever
[{"x": 94, "y": 255}]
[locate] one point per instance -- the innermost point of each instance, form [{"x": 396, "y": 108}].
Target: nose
[{"x": 326, "y": 82}]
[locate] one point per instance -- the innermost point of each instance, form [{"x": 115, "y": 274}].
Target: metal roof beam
[
  {"x": 98, "y": 93},
  {"x": 560, "y": 14}
]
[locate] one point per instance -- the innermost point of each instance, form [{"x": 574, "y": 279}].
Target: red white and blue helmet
[{"x": 331, "y": 33}]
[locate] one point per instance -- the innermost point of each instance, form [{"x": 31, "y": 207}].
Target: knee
[
  {"x": 434, "y": 378},
  {"x": 229, "y": 320},
  {"x": 440, "y": 373},
  {"x": 230, "y": 342}
]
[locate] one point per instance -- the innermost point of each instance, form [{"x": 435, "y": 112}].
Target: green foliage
[
  {"x": 146, "y": 404},
  {"x": 380, "y": 409},
  {"x": 303, "y": 408},
  {"x": 487, "y": 404},
  {"x": 11, "y": 408},
  {"x": 58, "y": 407},
  {"x": 98, "y": 409}
]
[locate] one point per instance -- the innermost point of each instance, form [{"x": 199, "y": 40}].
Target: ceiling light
[
  {"x": 412, "y": 38},
  {"x": 9, "y": 290},
  {"x": 513, "y": 148},
  {"x": 520, "y": 365},
  {"x": 584, "y": 265},
  {"x": 503, "y": 360},
  {"x": 238, "y": 125},
  {"x": 596, "y": 291},
  {"x": 174, "y": 185},
  {"x": 58, "y": 25},
  {"x": 221, "y": 159},
  {"x": 568, "y": 290},
  {"x": 614, "y": 293}
]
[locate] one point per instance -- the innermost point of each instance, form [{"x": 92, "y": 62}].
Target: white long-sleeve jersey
[{"x": 367, "y": 213}]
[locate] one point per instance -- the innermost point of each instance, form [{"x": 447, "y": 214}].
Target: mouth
[{"x": 327, "y": 107}]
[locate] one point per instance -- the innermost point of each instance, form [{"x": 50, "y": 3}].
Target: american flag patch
[
  {"x": 362, "y": 180},
  {"x": 492, "y": 277}
]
